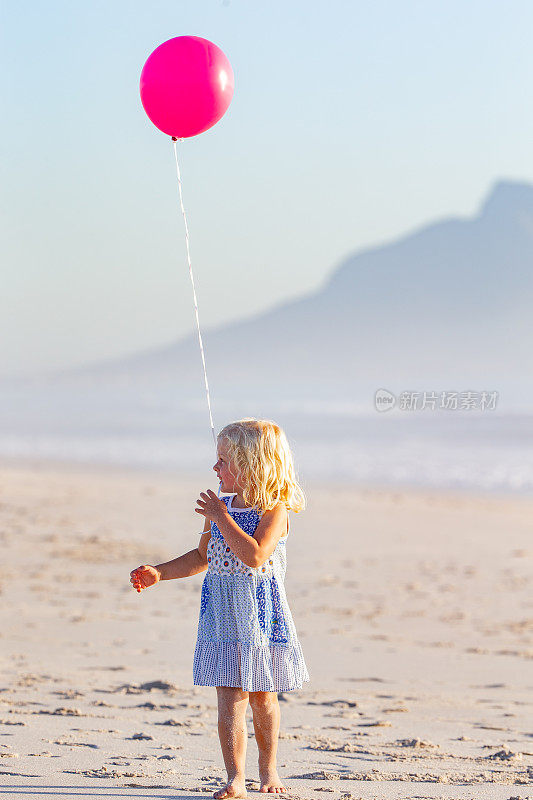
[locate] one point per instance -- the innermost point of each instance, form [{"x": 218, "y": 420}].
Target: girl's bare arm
[{"x": 190, "y": 563}]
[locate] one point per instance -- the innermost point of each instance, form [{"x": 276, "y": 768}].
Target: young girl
[{"x": 247, "y": 644}]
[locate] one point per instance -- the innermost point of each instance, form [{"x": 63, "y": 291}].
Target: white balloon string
[{"x": 194, "y": 292}]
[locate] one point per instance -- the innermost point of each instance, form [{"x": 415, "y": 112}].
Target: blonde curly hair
[{"x": 260, "y": 452}]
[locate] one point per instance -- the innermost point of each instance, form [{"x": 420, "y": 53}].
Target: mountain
[{"x": 446, "y": 306}]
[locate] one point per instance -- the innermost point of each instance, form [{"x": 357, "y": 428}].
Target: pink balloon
[{"x": 186, "y": 86}]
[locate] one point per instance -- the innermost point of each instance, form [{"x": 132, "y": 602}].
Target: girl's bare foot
[
  {"x": 236, "y": 787},
  {"x": 271, "y": 782}
]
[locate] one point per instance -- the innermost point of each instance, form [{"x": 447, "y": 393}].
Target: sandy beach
[{"x": 414, "y": 610}]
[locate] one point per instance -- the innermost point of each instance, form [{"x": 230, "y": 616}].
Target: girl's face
[{"x": 225, "y": 470}]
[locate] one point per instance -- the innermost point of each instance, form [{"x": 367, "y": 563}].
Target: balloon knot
[{"x": 174, "y": 138}]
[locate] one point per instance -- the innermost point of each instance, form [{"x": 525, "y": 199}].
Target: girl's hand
[
  {"x": 210, "y": 506},
  {"x": 143, "y": 577}
]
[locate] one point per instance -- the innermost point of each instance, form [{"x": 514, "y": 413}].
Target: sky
[{"x": 352, "y": 123}]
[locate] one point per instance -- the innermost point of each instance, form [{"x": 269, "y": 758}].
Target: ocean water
[{"x": 486, "y": 451}]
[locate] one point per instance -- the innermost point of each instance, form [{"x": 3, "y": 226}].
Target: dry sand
[{"x": 414, "y": 610}]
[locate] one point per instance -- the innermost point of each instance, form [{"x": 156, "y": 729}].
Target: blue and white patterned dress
[{"x": 246, "y": 634}]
